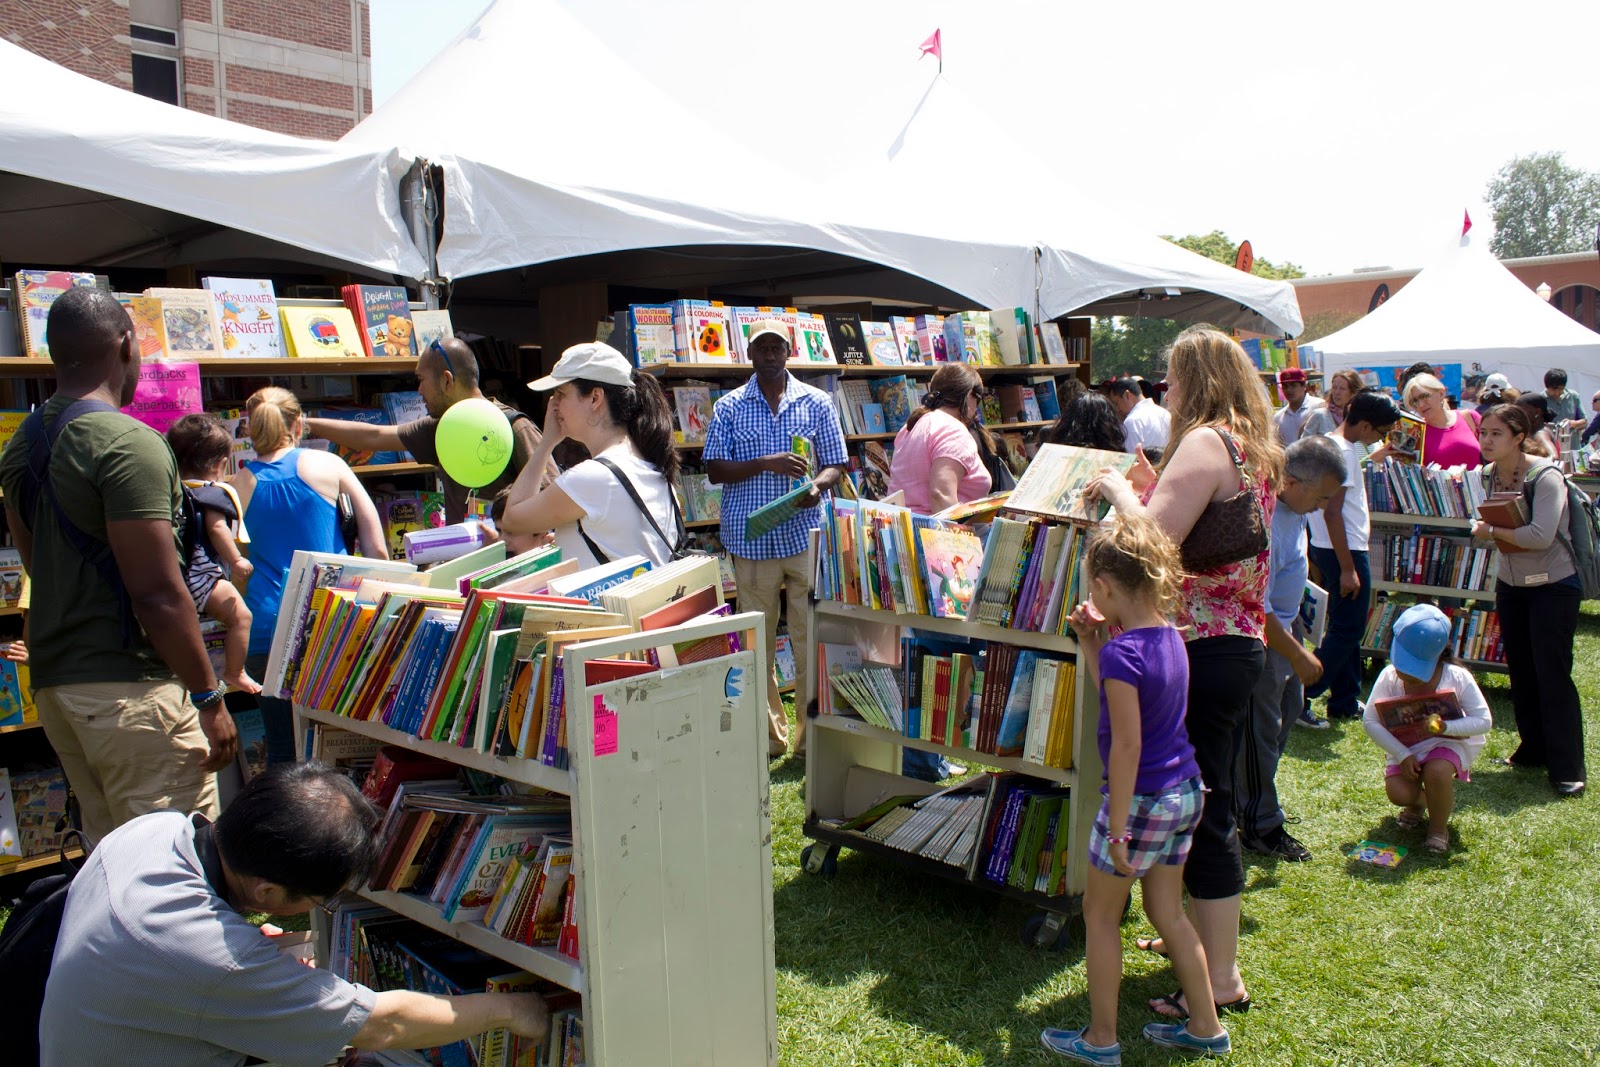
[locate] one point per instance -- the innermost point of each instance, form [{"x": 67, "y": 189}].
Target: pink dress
[
  {"x": 937, "y": 435},
  {"x": 1455, "y": 447},
  {"x": 1231, "y": 600}
]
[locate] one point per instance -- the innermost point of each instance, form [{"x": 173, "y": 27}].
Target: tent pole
[{"x": 417, "y": 206}]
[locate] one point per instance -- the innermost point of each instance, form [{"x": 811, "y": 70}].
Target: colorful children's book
[
  {"x": 883, "y": 347},
  {"x": 247, "y": 309},
  {"x": 694, "y": 412},
  {"x": 811, "y": 341},
  {"x": 1414, "y": 718},
  {"x": 10, "y": 838},
  {"x": 849, "y": 345},
  {"x": 1054, "y": 481},
  {"x": 1053, "y": 347},
  {"x": 148, "y": 328},
  {"x": 190, "y": 318},
  {"x": 700, "y": 332},
  {"x": 1407, "y": 436},
  {"x": 1009, "y": 327},
  {"x": 320, "y": 333},
  {"x": 383, "y": 315},
  {"x": 802, "y": 446},
  {"x": 905, "y": 333},
  {"x": 873, "y": 419},
  {"x": 1378, "y": 853},
  {"x": 894, "y": 394},
  {"x": 430, "y": 326},
  {"x": 650, "y": 326},
  {"x": 952, "y": 558},
  {"x": 930, "y": 338},
  {"x": 34, "y": 291}
]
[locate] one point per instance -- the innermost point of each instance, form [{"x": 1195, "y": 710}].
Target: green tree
[
  {"x": 1220, "y": 247},
  {"x": 1132, "y": 346},
  {"x": 1543, "y": 207}
]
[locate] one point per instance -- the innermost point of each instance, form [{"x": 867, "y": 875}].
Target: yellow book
[
  {"x": 148, "y": 326},
  {"x": 350, "y": 651},
  {"x": 319, "y": 612},
  {"x": 321, "y": 333},
  {"x": 1063, "y": 717}
]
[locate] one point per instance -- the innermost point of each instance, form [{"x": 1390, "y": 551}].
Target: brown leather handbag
[{"x": 1227, "y": 531}]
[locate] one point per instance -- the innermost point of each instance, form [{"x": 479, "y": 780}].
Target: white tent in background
[
  {"x": 159, "y": 168},
  {"x": 1467, "y": 309},
  {"x": 1088, "y": 260},
  {"x": 554, "y": 147}
]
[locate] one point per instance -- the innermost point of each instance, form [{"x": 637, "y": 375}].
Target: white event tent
[
  {"x": 94, "y": 174},
  {"x": 1467, "y": 308},
  {"x": 554, "y": 147}
]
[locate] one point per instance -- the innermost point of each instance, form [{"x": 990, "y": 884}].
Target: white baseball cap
[
  {"x": 776, "y": 327},
  {"x": 591, "y": 361},
  {"x": 1497, "y": 381}
]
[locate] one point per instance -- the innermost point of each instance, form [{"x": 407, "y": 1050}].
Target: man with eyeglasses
[
  {"x": 447, "y": 373},
  {"x": 156, "y": 964}
]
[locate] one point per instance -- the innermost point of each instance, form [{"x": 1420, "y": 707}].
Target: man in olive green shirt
[{"x": 129, "y": 738}]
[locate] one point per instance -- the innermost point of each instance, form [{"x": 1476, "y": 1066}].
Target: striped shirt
[{"x": 744, "y": 427}]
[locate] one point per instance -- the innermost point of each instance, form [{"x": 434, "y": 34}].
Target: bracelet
[
  {"x": 209, "y": 699},
  {"x": 1123, "y": 840}
]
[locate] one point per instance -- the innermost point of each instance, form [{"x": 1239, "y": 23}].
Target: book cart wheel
[
  {"x": 1052, "y": 931},
  {"x": 820, "y": 859}
]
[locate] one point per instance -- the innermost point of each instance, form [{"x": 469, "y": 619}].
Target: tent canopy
[
  {"x": 1467, "y": 308},
  {"x": 104, "y": 176},
  {"x": 606, "y": 163}
]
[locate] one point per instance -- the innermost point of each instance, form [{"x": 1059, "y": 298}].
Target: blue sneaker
[
  {"x": 1177, "y": 1035},
  {"x": 1070, "y": 1043}
]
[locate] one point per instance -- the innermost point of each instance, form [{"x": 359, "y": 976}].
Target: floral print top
[{"x": 1231, "y": 600}]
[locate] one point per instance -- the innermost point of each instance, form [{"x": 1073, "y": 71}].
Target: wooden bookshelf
[
  {"x": 703, "y": 524},
  {"x": 1390, "y": 518},
  {"x": 11, "y": 610},
  {"x": 34, "y": 863},
  {"x": 20, "y": 727},
  {"x": 544, "y": 962},
  {"x": 1433, "y": 590},
  {"x": 373, "y": 470},
  {"x": 30, "y": 367}
]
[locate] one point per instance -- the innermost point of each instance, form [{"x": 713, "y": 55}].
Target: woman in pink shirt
[
  {"x": 1450, "y": 438},
  {"x": 936, "y": 460}
]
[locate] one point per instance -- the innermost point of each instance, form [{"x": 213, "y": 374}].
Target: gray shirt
[
  {"x": 1543, "y": 558},
  {"x": 152, "y": 967}
]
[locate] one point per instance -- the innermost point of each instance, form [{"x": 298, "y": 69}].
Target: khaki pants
[
  {"x": 128, "y": 749},
  {"x": 759, "y": 582}
]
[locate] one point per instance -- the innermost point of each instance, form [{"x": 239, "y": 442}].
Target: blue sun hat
[{"x": 1420, "y": 636}]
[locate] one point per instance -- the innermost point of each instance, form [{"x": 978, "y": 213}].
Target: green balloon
[{"x": 474, "y": 442}]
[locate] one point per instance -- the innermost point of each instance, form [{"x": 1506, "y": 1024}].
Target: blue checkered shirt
[{"x": 743, "y": 427}]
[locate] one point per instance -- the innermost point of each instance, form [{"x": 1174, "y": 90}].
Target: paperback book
[
  {"x": 247, "y": 310},
  {"x": 1054, "y": 482}
]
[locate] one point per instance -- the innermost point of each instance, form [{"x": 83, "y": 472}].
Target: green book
[{"x": 764, "y": 520}]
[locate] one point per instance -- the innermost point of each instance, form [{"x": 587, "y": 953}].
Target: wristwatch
[{"x": 209, "y": 699}]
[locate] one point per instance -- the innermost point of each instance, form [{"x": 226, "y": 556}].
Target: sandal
[
  {"x": 1171, "y": 1005},
  {"x": 1411, "y": 818},
  {"x": 1151, "y": 945},
  {"x": 1438, "y": 844}
]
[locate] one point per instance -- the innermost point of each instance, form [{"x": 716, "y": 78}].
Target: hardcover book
[
  {"x": 1415, "y": 718},
  {"x": 383, "y": 316},
  {"x": 247, "y": 309},
  {"x": 952, "y": 558},
  {"x": 929, "y": 332},
  {"x": 883, "y": 347},
  {"x": 321, "y": 333},
  {"x": 1504, "y": 510},
  {"x": 811, "y": 342},
  {"x": 694, "y": 412},
  {"x": 1009, "y": 328},
  {"x": 190, "y": 319},
  {"x": 1055, "y": 350},
  {"x": 905, "y": 332},
  {"x": 429, "y": 326},
  {"x": 894, "y": 394},
  {"x": 148, "y": 329},
  {"x": 651, "y": 329},
  {"x": 704, "y": 330},
  {"x": 849, "y": 344}
]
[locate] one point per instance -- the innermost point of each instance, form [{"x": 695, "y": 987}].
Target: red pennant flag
[
  {"x": 1466, "y": 223},
  {"x": 932, "y": 46}
]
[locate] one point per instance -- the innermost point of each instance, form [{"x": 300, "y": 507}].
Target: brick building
[
  {"x": 1332, "y": 303},
  {"x": 302, "y": 67}
]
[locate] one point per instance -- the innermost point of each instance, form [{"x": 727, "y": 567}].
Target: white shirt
[
  {"x": 1147, "y": 423},
  {"x": 611, "y": 519},
  {"x": 1356, "y": 519},
  {"x": 1291, "y": 423},
  {"x": 1463, "y": 736}
]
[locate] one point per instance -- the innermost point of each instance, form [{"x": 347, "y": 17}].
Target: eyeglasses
[
  {"x": 330, "y": 907},
  {"x": 438, "y": 346}
]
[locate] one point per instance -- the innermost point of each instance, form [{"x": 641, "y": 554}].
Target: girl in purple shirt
[{"x": 1153, "y": 792}]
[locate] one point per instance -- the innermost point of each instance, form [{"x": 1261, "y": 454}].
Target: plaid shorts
[{"x": 1161, "y": 825}]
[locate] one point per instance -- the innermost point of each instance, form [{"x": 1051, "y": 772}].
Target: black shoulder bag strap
[
  {"x": 40, "y": 440},
  {"x": 673, "y": 547}
]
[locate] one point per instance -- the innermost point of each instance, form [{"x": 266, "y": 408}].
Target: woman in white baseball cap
[{"x": 620, "y": 502}]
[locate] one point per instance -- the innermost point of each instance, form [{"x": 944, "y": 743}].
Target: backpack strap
[
  {"x": 40, "y": 438},
  {"x": 673, "y": 547}
]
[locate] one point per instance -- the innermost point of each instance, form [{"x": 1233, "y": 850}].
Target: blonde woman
[
  {"x": 1449, "y": 437},
  {"x": 289, "y": 499},
  {"x": 1217, "y": 401}
]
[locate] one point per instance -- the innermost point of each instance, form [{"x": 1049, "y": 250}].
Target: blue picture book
[{"x": 873, "y": 416}]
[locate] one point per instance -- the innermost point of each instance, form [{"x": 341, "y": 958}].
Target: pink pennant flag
[
  {"x": 1466, "y": 222},
  {"x": 932, "y": 46}
]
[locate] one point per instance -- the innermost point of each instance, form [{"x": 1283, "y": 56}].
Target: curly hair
[
  {"x": 1137, "y": 554},
  {"x": 1217, "y": 386}
]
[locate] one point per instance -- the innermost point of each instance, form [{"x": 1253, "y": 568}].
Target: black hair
[
  {"x": 1411, "y": 372},
  {"x": 1155, "y": 454},
  {"x": 1555, "y": 378},
  {"x": 1117, "y": 386},
  {"x": 1372, "y": 407},
  {"x": 642, "y": 407},
  {"x": 462, "y": 362},
  {"x": 83, "y": 325},
  {"x": 1540, "y": 406},
  {"x": 302, "y": 826},
  {"x": 1090, "y": 422},
  {"x": 199, "y": 443}
]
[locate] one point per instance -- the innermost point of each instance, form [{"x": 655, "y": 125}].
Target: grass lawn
[{"x": 1489, "y": 955}]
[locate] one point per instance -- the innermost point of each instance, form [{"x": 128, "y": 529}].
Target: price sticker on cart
[{"x": 605, "y": 728}]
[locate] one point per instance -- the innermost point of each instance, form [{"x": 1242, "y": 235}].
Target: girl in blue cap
[{"x": 1434, "y": 751}]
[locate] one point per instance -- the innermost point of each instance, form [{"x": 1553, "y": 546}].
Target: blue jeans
[
  {"x": 1341, "y": 644},
  {"x": 928, "y": 766},
  {"x": 277, "y": 715}
]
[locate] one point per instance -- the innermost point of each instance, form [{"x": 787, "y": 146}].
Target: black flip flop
[
  {"x": 1148, "y": 944},
  {"x": 1173, "y": 1000}
]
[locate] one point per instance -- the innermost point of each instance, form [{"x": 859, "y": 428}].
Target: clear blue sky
[{"x": 1330, "y": 134}]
